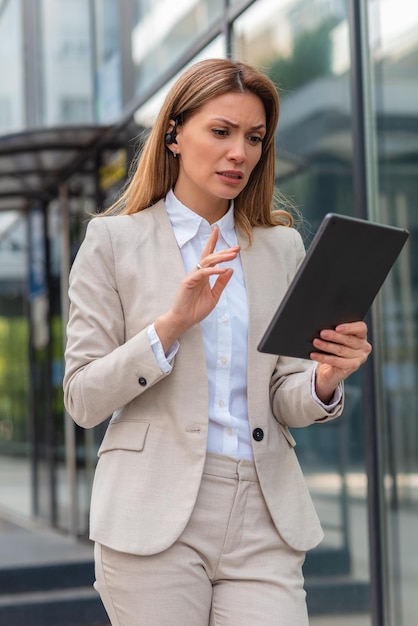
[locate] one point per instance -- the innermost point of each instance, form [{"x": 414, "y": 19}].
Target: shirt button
[
  {"x": 224, "y": 360},
  {"x": 224, "y": 318},
  {"x": 142, "y": 381},
  {"x": 230, "y": 431},
  {"x": 258, "y": 434},
  {"x": 221, "y": 402}
]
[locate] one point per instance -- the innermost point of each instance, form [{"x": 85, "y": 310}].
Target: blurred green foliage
[
  {"x": 14, "y": 378},
  {"x": 311, "y": 57}
]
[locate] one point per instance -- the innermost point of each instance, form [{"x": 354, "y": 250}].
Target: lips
[{"x": 231, "y": 174}]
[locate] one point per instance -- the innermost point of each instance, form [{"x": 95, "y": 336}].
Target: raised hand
[{"x": 196, "y": 296}]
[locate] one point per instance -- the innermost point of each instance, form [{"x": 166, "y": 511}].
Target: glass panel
[
  {"x": 41, "y": 420},
  {"x": 146, "y": 114},
  {"x": 66, "y": 62},
  {"x": 12, "y": 111},
  {"x": 304, "y": 46},
  {"x": 173, "y": 30},
  {"x": 108, "y": 78},
  {"x": 393, "y": 34},
  {"x": 15, "y": 480},
  {"x": 65, "y": 235}
]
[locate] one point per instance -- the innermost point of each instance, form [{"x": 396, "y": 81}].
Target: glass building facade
[{"x": 74, "y": 103}]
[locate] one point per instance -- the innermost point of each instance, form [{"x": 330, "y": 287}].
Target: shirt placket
[{"x": 223, "y": 371}]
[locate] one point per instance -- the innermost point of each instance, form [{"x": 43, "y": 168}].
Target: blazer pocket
[
  {"x": 288, "y": 435},
  {"x": 124, "y": 436}
]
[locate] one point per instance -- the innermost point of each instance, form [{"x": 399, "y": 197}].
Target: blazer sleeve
[
  {"x": 104, "y": 370},
  {"x": 290, "y": 386}
]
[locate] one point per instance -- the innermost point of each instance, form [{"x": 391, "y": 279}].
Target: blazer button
[
  {"x": 258, "y": 434},
  {"x": 142, "y": 381}
]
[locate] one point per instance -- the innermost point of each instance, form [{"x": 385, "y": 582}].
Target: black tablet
[{"x": 337, "y": 281}]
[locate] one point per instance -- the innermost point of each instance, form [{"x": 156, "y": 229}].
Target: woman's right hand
[{"x": 196, "y": 297}]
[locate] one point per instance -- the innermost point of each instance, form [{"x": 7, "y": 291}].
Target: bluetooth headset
[{"x": 171, "y": 136}]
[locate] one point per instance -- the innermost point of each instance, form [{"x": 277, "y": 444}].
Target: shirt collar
[{"x": 186, "y": 223}]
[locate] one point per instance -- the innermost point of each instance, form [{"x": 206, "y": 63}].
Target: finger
[
  {"x": 351, "y": 340},
  {"x": 221, "y": 256},
  {"x": 333, "y": 361},
  {"x": 339, "y": 355},
  {"x": 201, "y": 274},
  {"x": 350, "y": 347},
  {"x": 338, "y": 362},
  {"x": 211, "y": 242},
  {"x": 331, "y": 347},
  {"x": 353, "y": 328},
  {"x": 337, "y": 368},
  {"x": 221, "y": 282}
]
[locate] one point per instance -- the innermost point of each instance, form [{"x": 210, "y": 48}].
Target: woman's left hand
[{"x": 343, "y": 351}]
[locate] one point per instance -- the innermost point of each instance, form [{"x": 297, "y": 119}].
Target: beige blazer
[{"x": 126, "y": 273}]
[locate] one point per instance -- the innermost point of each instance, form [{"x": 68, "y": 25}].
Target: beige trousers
[{"x": 230, "y": 566}]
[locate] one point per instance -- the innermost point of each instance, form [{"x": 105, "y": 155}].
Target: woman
[{"x": 199, "y": 514}]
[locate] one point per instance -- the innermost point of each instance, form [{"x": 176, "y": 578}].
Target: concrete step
[
  {"x": 337, "y": 595},
  {"x": 50, "y": 595},
  {"x": 71, "y": 607},
  {"x": 63, "y": 595},
  {"x": 42, "y": 577},
  {"x": 330, "y": 585}
]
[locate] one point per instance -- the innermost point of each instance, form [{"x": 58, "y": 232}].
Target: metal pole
[
  {"x": 32, "y": 430},
  {"x": 363, "y": 180},
  {"x": 69, "y": 426}
]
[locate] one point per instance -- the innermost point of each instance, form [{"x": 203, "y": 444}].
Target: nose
[{"x": 237, "y": 151}]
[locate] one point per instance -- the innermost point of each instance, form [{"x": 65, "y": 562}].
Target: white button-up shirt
[{"x": 224, "y": 331}]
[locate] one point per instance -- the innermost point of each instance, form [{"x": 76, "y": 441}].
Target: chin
[{"x": 229, "y": 194}]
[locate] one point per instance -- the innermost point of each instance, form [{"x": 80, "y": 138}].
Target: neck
[
  {"x": 212, "y": 215},
  {"x": 211, "y": 209}
]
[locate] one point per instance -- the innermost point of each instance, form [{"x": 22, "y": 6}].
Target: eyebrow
[{"x": 235, "y": 125}]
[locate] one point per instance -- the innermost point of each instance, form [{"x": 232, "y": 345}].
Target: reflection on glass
[
  {"x": 66, "y": 62},
  {"x": 393, "y": 34},
  {"x": 12, "y": 113},
  {"x": 173, "y": 32},
  {"x": 304, "y": 46},
  {"x": 108, "y": 62},
  {"x": 146, "y": 114}
]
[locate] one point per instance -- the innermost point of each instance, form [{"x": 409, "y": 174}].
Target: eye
[
  {"x": 220, "y": 132},
  {"x": 255, "y": 139}
]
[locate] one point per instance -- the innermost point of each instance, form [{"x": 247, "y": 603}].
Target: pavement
[{"x": 25, "y": 542}]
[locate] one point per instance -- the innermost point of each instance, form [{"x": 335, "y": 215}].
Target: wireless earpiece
[{"x": 171, "y": 136}]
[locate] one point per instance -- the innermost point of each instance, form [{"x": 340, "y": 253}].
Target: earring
[{"x": 174, "y": 153}]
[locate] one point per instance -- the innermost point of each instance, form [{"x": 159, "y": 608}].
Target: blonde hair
[{"x": 156, "y": 170}]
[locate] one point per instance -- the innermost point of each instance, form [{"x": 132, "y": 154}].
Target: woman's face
[{"x": 218, "y": 148}]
